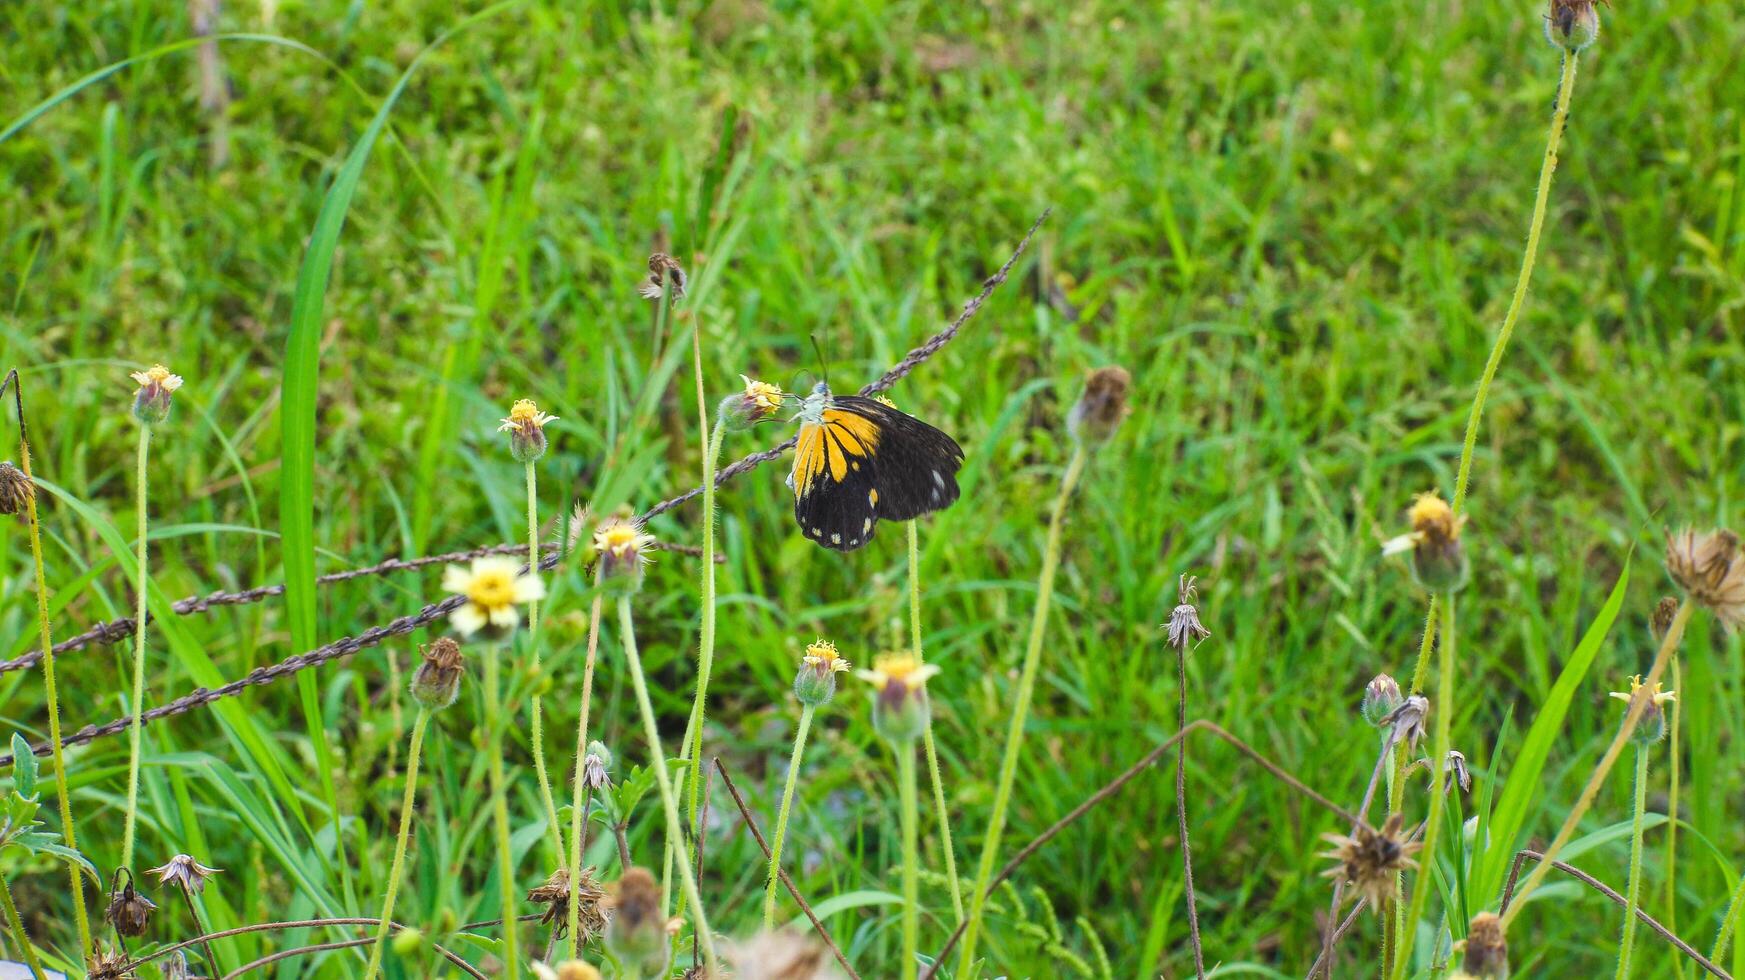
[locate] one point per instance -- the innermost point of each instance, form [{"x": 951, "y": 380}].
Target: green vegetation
[{"x": 1299, "y": 229}]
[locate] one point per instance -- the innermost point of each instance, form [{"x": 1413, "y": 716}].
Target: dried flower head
[
  {"x": 1651, "y": 724},
  {"x": 815, "y": 683},
  {"x": 901, "y": 711},
  {"x": 1438, "y": 557},
  {"x": 1381, "y": 697},
  {"x": 436, "y": 682},
  {"x": 108, "y": 964},
  {"x": 636, "y": 930},
  {"x": 128, "y": 911},
  {"x": 151, "y": 403},
  {"x": 663, "y": 270},
  {"x": 493, "y": 586},
  {"x": 1371, "y": 860},
  {"x": 597, "y": 765},
  {"x": 1487, "y": 950},
  {"x": 780, "y": 955},
  {"x": 16, "y": 489},
  {"x": 1572, "y": 24},
  {"x": 621, "y": 546},
  {"x": 1407, "y": 720},
  {"x": 1102, "y": 406},
  {"x": 1455, "y": 770},
  {"x": 1707, "y": 568},
  {"x": 555, "y": 896},
  {"x": 526, "y": 428},
  {"x": 186, "y": 872},
  {"x": 760, "y": 400},
  {"x": 1184, "y": 627},
  {"x": 1660, "y": 621}
]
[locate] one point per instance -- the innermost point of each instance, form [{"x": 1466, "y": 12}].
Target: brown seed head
[
  {"x": 1661, "y": 620},
  {"x": 108, "y": 964},
  {"x": 1487, "y": 952},
  {"x": 1099, "y": 411},
  {"x": 555, "y": 896},
  {"x": 16, "y": 489},
  {"x": 128, "y": 911},
  {"x": 1371, "y": 860},
  {"x": 436, "y": 683},
  {"x": 1708, "y": 569},
  {"x": 663, "y": 270}
]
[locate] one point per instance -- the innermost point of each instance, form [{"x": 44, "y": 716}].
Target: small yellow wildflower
[
  {"x": 901, "y": 711},
  {"x": 815, "y": 683},
  {"x": 622, "y": 547},
  {"x": 151, "y": 403},
  {"x": 1651, "y": 724},
  {"x": 526, "y": 428},
  {"x": 494, "y": 586}
]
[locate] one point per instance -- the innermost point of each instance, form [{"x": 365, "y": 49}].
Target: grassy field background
[{"x": 1296, "y": 225}]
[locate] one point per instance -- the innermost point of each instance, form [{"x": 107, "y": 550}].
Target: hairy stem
[
  {"x": 1181, "y": 813},
  {"x": 578, "y": 789},
  {"x": 942, "y": 814},
  {"x": 693, "y": 747},
  {"x": 536, "y": 728},
  {"x": 775, "y": 857},
  {"x": 1443, "y": 708},
  {"x": 657, "y": 761},
  {"x": 407, "y": 804},
  {"x": 1633, "y": 891},
  {"x": 1671, "y": 911},
  {"x": 911, "y": 860},
  {"x": 16, "y": 922},
  {"x": 1020, "y": 708},
  {"x": 500, "y": 807},
  {"x": 131, "y": 818}
]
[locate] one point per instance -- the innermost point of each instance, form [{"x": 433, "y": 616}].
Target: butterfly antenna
[{"x": 823, "y": 362}]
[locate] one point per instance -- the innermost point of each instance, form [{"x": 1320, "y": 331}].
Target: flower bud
[
  {"x": 1661, "y": 621},
  {"x": 1438, "y": 558},
  {"x": 16, "y": 489},
  {"x": 621, "y": 548},
  {"x": 815, "y": 683},
  {"x": 636, "y": 932},
  {"x": 1651, "y": 723},
  {"x": 760, "y": 400},
  {"x": 526, "y": 428},
  {"x": 1381, "y": 696},
  {"x": 407, "y": 942},
  {"x": 900, "y": 711},
  {"x": 436, "y": 682},
  {"x": 1099, "y": 411},
  {"x": 151, "y": 403},
  {"x": 597, "y": 765},
  {"x": 1572, "y": 25}
]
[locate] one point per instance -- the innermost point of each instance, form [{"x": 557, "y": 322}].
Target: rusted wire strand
[{"x": 285, "y": 926}]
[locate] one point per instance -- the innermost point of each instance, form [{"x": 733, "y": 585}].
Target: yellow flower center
[
  {"x": 492, "y": 588},
  {"x": 524, "y": 411},
  {"x": 898, "y": 666}
]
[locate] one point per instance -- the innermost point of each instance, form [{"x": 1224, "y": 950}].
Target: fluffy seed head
[
  {"x": 1099, "y": 411},
  {"x": 1371, "y": 860},
  {"x": 16, "y": 489},
  {"x": 1708, "y": 569},
  {"x": 436, "y": 682}
]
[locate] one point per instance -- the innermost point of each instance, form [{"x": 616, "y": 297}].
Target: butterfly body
[{"x": 858, "y": 461}]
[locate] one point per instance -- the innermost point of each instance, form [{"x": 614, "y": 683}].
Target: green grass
[{"x": 1298, "y": 228}]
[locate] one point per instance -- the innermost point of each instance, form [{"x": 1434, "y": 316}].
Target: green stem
[
  {"x": 657, "y": 761},
  {"x": 1026, "y": 687},
  {"x": 1729, "y": 922},
  {"x": 943, "y": 815},
  {"x": 133, "y": 728},
  {"x": 17, "y": 923},
  {"x": 693, "y": 747},
  {"x": 578, "y": 789},
  {"x": 911, "y": 860},
  {"x": 407, "y": 804},
  {"x": 1670, "y": 913},
  {"x": 775, "y": 851},
  {"x": 500, "y": 808},
  {"x": 1559, "y": 116},
  {"x": 1668, "y": 644},
  {"x": 537, "y": 730},
  {"x": 1443, "y": 708},
  {"x": 52, "y": 692},
  {"x": 1397, "y": 783},
  {"x": 1634, "y": 891}
]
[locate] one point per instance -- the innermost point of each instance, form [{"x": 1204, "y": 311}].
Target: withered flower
[
  {"x": 1572, "y": 24},
  {"x": 555, "y": 896},
  {"x": 16, "y": 489},
  {"x": 186, "y": 872},
  {"x": 1099, "y": 411},
  {"x": 1707, "y": 568},
  {"x": 1487, "y": 951},
  {"x": 1407, "y": 720},
  {"x": 1371, "y": 860},
  {"x": 436, "y": 682},
  {"x": 1184, "y": 626},
  {"x": 637, "y": 933},
  {"x": 128, "y": 911},
  {"x": 1661, "y": 620},
  {"x": 663, "y": 270},
  {"x": 108, "y": 964},
  {"x": 1455, "y": 770}
]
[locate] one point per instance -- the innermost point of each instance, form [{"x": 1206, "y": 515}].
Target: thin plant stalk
[
  {"x": 51, "y": 690},
  {"x": 1020, "y": 707},
  {"x": 1383, "y": 761},
  {"x": 943, "y": 815},
  {"x": 657, "y": 761},
  {"x": 500, "y": 807},
  {"x": 1669, "y": 914},
  {"x": 1444, "y": 711},
  {"x": 693, "y": 747},
  {"x": 775, "y": 855},
  {"x": 407, "y": 804},
  {"x": 578, "y": 789},
  {"x": 1397, "y": 790},
  {"x": 16, "y": 922},
  {"x": 911, "y": 860},
  {"x": 1674, "y": 634},
  {"x": 131, "y": 819},
  {"x": 1181, "y": 813},
  {"x": 1633, "y": 893},
  {"x": 536, "y": 730},
  {"x": 1729, "y": 922},
  {"x": 1548, "y": 167}
]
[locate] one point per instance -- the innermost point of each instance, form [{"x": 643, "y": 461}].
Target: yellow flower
[
  {"x": 622, "y": 549},
  {"x": 158, "y": 375},
  {"x": 898, "y": 668},
  {"x": 901, "y": 711},
  {"x": 1651, "y": 723},
  {"x": 762, "y": 395},
  {"x": 525, "y": 416},
  {"x": 494, "y": 586},
  {"x": 1438, "y": 557},
  {"x": 821, "y": 656},
  {"x": 1658, "y": 696}
]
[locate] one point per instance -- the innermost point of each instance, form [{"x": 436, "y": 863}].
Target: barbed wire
[{"x": 430, "y": 613}]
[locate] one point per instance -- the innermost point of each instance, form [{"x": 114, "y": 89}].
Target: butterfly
[{"x": 857, "y": 461}]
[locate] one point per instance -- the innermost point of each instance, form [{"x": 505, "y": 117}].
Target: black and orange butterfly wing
[{"x": 865, "y": 462}]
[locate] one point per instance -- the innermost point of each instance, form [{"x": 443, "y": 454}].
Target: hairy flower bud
[
  {"x": 1381, "y": 696},
  {"x": 436, "y": 682},
  {"x": 815, "y": 682},
  {"x": 1572, "y": 25},
  {"x": 151, "y": 403},
  {"x": 901, "y": 711}
]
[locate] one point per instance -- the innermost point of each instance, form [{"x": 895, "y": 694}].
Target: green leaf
[{"x": 23, "y": 767}]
